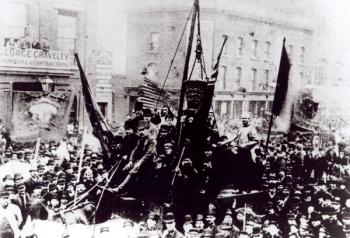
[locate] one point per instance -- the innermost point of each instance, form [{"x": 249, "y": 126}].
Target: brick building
[
  {"x": 255, "y": 31},
  {"x": 24, "y": 64}
]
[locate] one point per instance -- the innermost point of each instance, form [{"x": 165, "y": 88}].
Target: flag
[
  {"x": 282, "y": 83},
  {"x": 37, "y": 114},
  {"x": 100, "y": 127},
  {"x": 215, "y": 73}
]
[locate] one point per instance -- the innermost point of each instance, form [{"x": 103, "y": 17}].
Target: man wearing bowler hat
[
  {"x": 10, "y": 216},
  {"x": 141, "y": 158},
  {"x": 171, "y": 231}
]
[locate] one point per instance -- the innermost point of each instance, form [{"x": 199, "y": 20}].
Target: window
[
  {"x": 267, "y": 77},
  {"x": 237, "y": 109},
  {"x": 222, "y": 74},
  {"x": 301, "y": 76},
  {"x": 238, "y": 76},
  {"x": 240, "y": 46},
  {"x": 14, "y": 20},
  {"x": 290, "y": 51},
  {"x": 154, "y": 43},
  {"x": 255, "y": 49},
  {"x": 321, "y": 72},
  {"x": 66, "y": 30},
  {"x": 224, "y": 50},
  {"x": 302, "y": 54},
  {"x": 267, "y": 50},
  {"x": 254, "y": 79},
  {"x": 223, "y": 109}
]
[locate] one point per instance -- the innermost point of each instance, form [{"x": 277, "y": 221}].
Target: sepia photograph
[{"x": 174, "y": 119}]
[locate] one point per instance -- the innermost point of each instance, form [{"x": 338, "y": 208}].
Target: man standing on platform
[
  {"x": 247, "y": 133},
  {"x": 141, "y": 157}
]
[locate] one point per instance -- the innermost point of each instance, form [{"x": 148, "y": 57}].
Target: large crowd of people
[{"x": 302, "y": 189}]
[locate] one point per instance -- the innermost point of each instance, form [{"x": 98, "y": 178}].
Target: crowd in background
[
  {"x": 25, "y": 42},
  {"x": 303, "y": 190}
]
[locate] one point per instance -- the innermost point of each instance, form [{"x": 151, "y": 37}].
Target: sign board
[{"x": 15, "y": 59}]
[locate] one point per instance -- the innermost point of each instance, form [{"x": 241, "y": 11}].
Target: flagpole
[
  {"x": 81, "y": 156},
  {"x": 268, "y": 134}
]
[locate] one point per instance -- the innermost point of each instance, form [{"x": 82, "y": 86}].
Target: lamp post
[{"x": 46, "y": 84}]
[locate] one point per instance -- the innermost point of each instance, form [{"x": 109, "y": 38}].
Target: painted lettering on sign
[{"x": 33, "y": 58}]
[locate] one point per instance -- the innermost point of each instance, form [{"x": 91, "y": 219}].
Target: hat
[
  {"x": 193, "y": 230},
  {"x": 4, "y": 193},
  {"x": 228, "y": 212},
  {"x": 53, "y": 196},
  {"x": 61, "y": 182},
  {"x": 188, "y": 218},
  {"x": 50, "y": 162},
  {"x": 104, "y": 229},
  {"x": 7, "y": 177},
  {"x": 226, "y": 227},
  {"x": 168, "y": 145},
  {"x": 129, "y": 124},
  {"x": 169, "y": 217},
  {"x": 52, "y": 187},
  {"x": 147, "y": 112},
  {"x": 315, "y": 216},
  {"x": 142, "y": 125},
  {"x": 18, "y": 177},
  {"x": 128, "y": 223},
  {"x": 199, "y": 217},
  {"x": 152, "y": 216}
]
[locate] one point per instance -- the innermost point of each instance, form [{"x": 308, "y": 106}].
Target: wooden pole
[
  {"x": 80, "y": 162},
  {"x": 185, "y": 73},
  {"x": 268, "y": 135}
]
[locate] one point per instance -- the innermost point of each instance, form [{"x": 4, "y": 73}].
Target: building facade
[
  {"x": 255, "y": 30},
  {"x": 250, "y": 60}
]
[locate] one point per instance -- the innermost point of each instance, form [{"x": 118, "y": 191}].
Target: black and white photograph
[{"x": 174, "y": 119}]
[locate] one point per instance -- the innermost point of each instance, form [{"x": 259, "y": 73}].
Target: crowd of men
[
  {"x": 303, "y": 188},
  {"x": 25, "y": 42}
]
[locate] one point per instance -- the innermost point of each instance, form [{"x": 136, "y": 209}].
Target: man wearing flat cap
[
  {"x": 171, "y": 231},
  {"x": 141, "y": 158},
  {"x": 151, "y": 225},
  {"x": 10, "y": 216}
]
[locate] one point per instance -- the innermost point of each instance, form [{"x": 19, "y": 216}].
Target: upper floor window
[
  {"x": 290, "y": 51},
  {"x": 302, "y": 54},
  {"x": 255, "y": 48},
  {"x": 222, "y": 78},
  {"x": 67, "y": 30},
  {"x": 321, "y": 72},
  {"x": 154, "y": 42},
  {"x": 238, "y": 76},
  {"x": 254, "y": 73},
  {"x": 267, "y": 77},
  {"x": 267, "y": 50},
  {"x": 14, "y": 21},
  {"x": 240, "y": 44}
]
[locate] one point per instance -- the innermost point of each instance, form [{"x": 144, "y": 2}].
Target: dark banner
[{"x": 36, "y": 114}]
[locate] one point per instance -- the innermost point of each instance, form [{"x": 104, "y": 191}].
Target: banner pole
[{"x": 80, "y": 162}]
